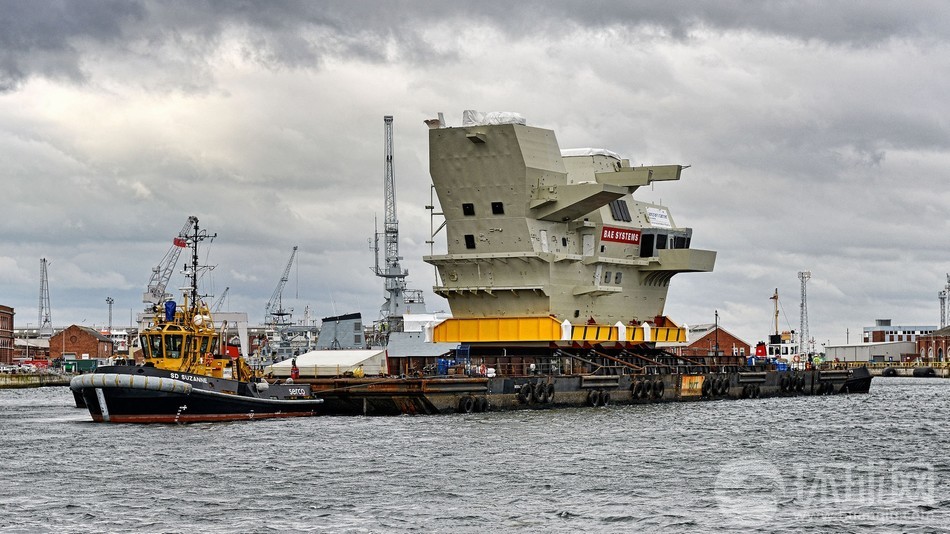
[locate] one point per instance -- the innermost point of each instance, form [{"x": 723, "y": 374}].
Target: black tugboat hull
[{"x": 127, "y": 394}]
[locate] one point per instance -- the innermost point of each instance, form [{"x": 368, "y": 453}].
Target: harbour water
[{"x": 874, "y": 462}]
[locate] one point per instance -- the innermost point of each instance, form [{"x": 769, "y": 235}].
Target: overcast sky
[{"x": 817, "y": 134}]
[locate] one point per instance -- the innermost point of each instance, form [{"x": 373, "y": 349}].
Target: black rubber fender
[
  {"x": 541, "y": 393},
  {"x": 466, "y": 404},
  {"x": 604, "y": 398},
  {"x": 593, "y": 397},
  {"x": 658, "y": 388},
  {"x": 550, "y": 392},
  {"x": 525, "y": 393}
]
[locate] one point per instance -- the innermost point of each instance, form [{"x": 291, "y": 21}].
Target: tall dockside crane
[
  {"x": 45, "y": 322},
  {"x": 162, "y": 273},
  {"x": 274, "y": 312},
  {"x": 803, "y": 341},
  {"x": 397, "y": 296}
]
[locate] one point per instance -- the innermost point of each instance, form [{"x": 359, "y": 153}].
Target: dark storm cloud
[{"x": 54, "y": 39}]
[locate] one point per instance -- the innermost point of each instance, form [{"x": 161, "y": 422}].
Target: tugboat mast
[{"x": 195, "y": 238}]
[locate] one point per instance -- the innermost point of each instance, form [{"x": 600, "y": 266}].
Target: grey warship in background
[{"x": 557, "y": 278}]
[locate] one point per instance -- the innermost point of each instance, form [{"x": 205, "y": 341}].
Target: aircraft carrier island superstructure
[
  {"x": 557, "y": 278},
  {"x": 536, "y": 232}
]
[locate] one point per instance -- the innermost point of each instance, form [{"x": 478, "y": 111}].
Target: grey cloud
[{"x": 55, "y": 39}]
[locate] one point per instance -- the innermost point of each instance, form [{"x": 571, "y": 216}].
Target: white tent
[{"x": 329, "y": 363}]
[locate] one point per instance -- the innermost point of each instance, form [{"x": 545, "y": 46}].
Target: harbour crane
[
  {"x": 274, "y": 312},
  {"x": 398, "y": 298},
  {"x": 220, "y": 301},
  {"x": 45, "y": 322},
  {"x": 162, "y": 273}
]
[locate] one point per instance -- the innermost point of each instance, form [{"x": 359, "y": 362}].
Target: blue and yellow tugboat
[{"x": 185, "y": 376}]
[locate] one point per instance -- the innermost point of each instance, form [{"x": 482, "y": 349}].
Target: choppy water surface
[{"x": 873, "y": 462}]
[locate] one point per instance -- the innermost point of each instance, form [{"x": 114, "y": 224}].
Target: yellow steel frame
[{"x": 502, "y": 329}]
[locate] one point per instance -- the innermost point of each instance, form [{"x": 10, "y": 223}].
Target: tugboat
[
  {"x": 557, "y": 278},
  {"x": 186, "y": 377}
]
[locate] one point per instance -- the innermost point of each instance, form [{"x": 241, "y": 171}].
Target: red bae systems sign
[{"x": 620, "y": 235}]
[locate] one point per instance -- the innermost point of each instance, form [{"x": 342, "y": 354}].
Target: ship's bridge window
[
  {"x": 469, "y": 240},
  {"x": 660, "y": 241},
  {"x": 617, "y": 277},
  {"x": 152, "y": 345},
  {"x": 173, "y": 344},
  {"x": 203, "y": 345},
  {"x": 468, "y": 209},
  {"x": 607, "y": 276},
  {"x": 646, "y": 245},
  {"x": 498, "y": 208}
]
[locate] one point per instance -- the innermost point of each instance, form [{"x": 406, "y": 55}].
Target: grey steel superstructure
[{"x": 534, "y": 232}]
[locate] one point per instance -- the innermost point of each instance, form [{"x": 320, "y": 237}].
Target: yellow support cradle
[{"x": 547, "y": 329}]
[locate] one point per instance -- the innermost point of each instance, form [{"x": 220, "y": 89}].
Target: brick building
[
  {"x": 6, "y": 335},
  {"x": 934, "y": 346},
  {"x": 704, "y": 339},
  {"x": 80, "y": 343}
]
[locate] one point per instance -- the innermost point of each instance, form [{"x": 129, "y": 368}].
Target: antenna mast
[
  {"x": 804, "y": 276},
  {"x": 110, "y": 301},
  {"x": 942, "y": 295},
  {"x": 46, "y": 324}
]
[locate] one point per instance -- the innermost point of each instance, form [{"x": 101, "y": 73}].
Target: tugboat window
[
  {"x": 173, "y": 347},
  {"x": 469, "y": 240},
  {"x": 660, "y": 241},
  {"x": 468, "y": 209},
  {"x": 498, "y": 208},
  {"x": 154, "y": 343}
]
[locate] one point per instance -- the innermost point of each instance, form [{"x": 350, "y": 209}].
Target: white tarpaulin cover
[
  {"x": 570, "y": 152},
  {"x": 325, "y": 363},
  {"x": 470, "y": 117}
]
